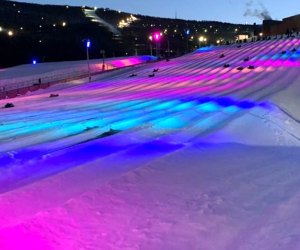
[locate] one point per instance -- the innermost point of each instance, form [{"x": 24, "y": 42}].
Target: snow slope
[
  {"x": 204, "y": 156},
  {"x": 28, "y": 74},
  {"x": 91, "y": 13}
]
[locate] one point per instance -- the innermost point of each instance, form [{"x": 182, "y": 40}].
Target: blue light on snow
[
  {"x": 208, "y": 107},
  {"x": 204, "y": 49},
  {"x": 170, "y": 123}
]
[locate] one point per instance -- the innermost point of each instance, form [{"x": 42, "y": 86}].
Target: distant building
[
  {"x": 287, "y": 25},
  {"x": 243, "y": 37}
]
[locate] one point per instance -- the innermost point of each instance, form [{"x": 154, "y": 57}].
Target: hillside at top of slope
[{"x": 50, "y": 33}]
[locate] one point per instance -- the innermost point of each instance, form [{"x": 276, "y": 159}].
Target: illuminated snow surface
[
  {"x": 201, "y": 157},
  {"x": 61, "y": 70}
]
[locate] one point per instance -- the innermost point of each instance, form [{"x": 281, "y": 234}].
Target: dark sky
[{"x": 235, "y": 11}]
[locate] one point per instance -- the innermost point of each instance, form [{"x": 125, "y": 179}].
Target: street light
[
  {"x": 187, "y": 32},
  {"x": 88, "y": 45},
  {"x": 202, "y": 39},
  {"x": 157, "y": 37},
  {"x": 151, "y": 38},
  {"x": 102, "y": 52}
]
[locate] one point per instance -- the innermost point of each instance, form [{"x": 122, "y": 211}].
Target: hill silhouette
[{"x": 57, "y": 33}]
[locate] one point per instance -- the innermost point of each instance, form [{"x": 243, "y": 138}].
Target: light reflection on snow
[
  {"x": 190, "y": 94},
  {"x": 157, "y": 116}
]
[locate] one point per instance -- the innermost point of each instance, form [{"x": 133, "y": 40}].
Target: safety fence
[{"x": 21, "y": 88}]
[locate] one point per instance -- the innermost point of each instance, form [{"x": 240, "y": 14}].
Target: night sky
[{"x": 234, "y": 11}]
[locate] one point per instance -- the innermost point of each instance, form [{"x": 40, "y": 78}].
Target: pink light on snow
[
  {"x": 125, "y": 62},
  {"x": 20, "y": 237},
  {"x": 277, "y": 63}
]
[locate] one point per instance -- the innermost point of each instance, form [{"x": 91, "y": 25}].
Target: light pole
[
  {"x": 187, "y": 32},
  {"x": 201, "y": 40},
  {"x": 157, "y": 37},
  {"x": 88, "y": 45},
  {"x": 151, "y": 38},
  {"x": 103, "y": 57},
  {"x": 168, "y": 48}
]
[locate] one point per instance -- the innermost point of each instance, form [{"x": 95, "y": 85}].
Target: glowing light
[
  {"x": 202, "y": 39},
  {"x": 126, "y": 23},
  {"x": 64, "y": 24},
  {"x": 1, "y": 29},
  {"x": 88, "y": 44},
  {"x": 34, "y": 62},
  {"x": 10, "y": 33},
  {"x": 157, "y": 36}
]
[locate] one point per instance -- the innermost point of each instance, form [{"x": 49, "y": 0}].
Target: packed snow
[
  {"x": 197, "y": 152},
  {"x": 28, "y": 74}
]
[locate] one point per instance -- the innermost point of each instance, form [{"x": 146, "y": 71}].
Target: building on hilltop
[{"x": 286, "y": 26}]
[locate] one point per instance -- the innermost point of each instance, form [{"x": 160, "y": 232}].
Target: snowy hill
[
  {"x": 28, "y": 74},
  {"x": 199, "y": 152},
  {"x": 51, "y": 33}
]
